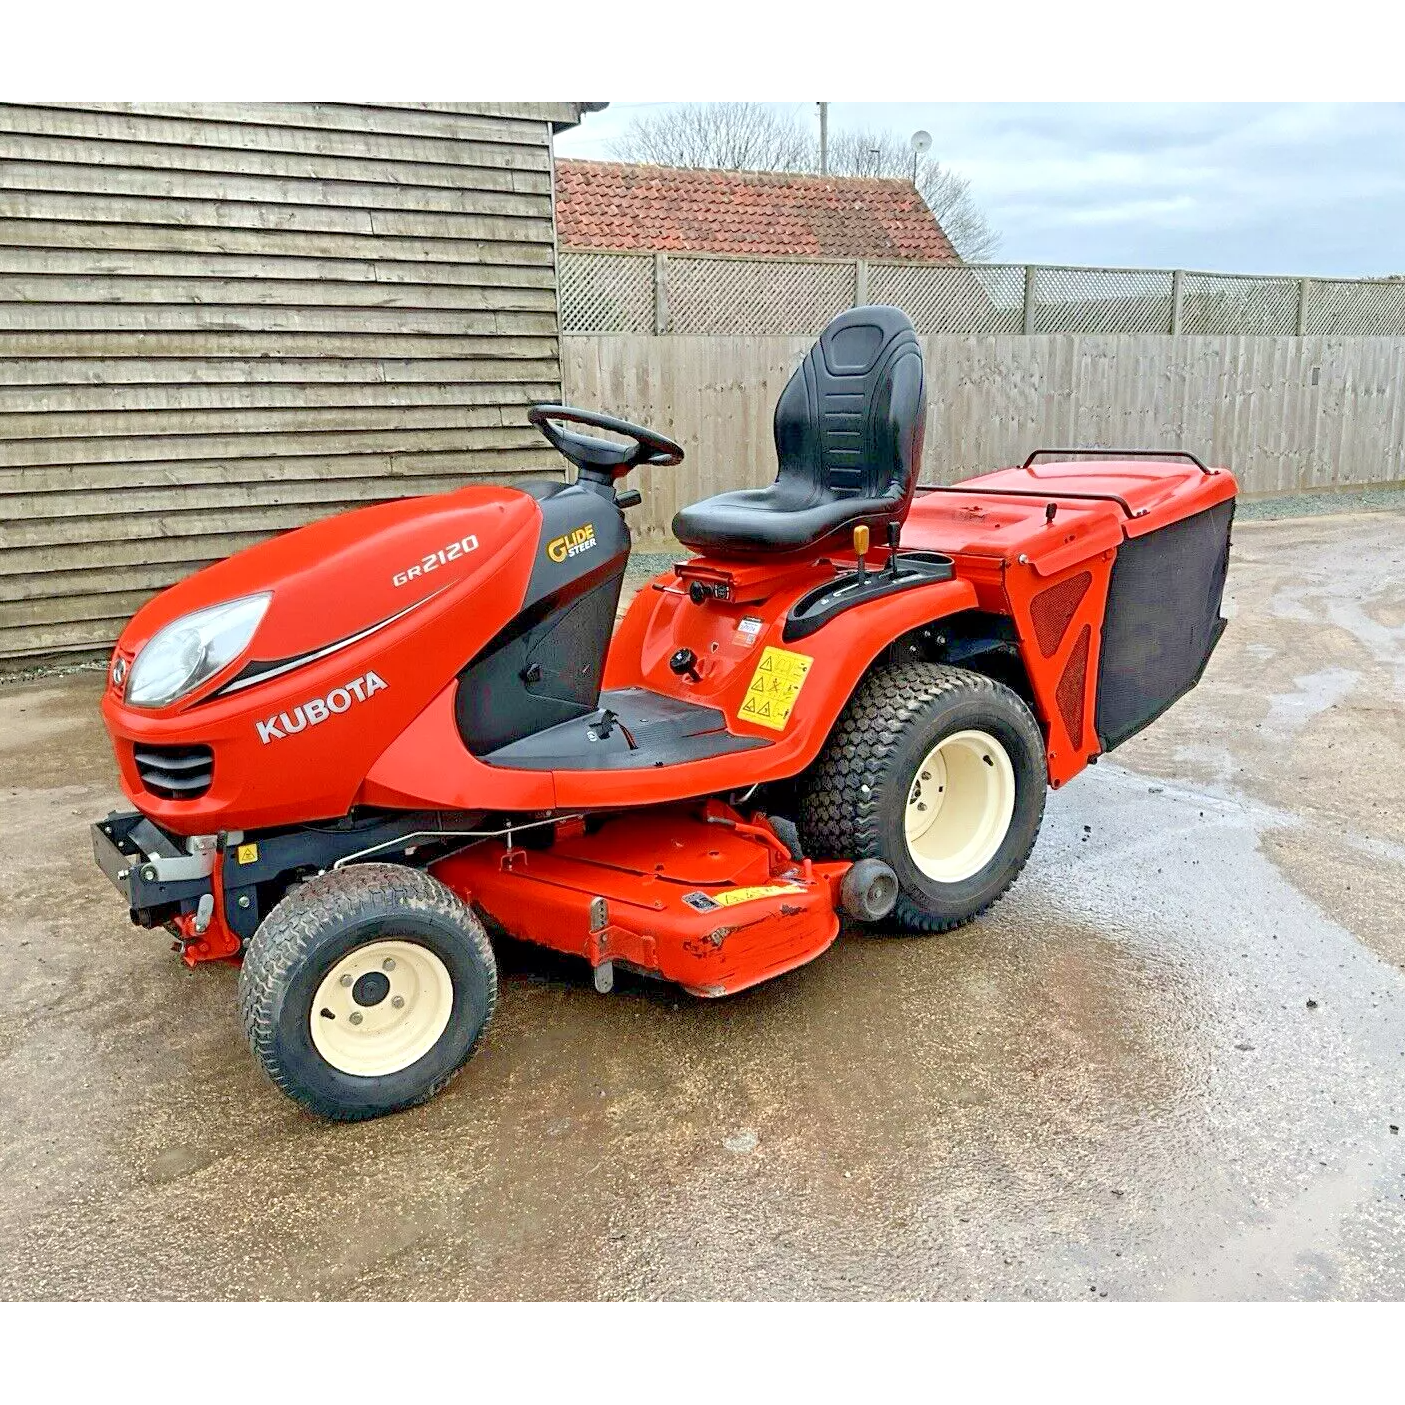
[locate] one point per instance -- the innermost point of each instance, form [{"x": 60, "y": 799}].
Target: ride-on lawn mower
[{"x": 358, "y": 749}]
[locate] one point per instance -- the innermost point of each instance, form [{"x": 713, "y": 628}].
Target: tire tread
[
  {"x": 845, "y": 788},
  {"x": 286, "y": 935}
]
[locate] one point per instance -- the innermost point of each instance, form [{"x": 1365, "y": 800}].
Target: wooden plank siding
[
  {"x": 1287, "y": 414},
  {"x": 219, "y": 321}
]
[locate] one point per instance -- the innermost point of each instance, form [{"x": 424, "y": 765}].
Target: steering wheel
[{"x": 603, "y": 459}]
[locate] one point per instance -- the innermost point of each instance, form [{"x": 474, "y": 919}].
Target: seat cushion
[
  {"x": 768, "y": 519},
  {"x": 848, "y": 430}
]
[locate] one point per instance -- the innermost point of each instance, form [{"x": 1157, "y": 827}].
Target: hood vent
[{"x": 175, "y": 772}]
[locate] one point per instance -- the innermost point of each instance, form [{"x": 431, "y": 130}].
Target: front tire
[
  {"x": 939, "y": 772},
  {"x": 365, "y": 990}
]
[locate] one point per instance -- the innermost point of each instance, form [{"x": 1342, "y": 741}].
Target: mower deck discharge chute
[{"x": 360, "y": 749}]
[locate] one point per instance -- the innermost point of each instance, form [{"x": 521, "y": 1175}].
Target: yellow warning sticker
[
  {"x": 774, "y": 687},
  {"x": 247, "y": 853},
  {"x": 732, "y": 896}
]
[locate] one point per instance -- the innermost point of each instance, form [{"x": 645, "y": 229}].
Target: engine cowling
[{"x": 371, "y": 613}]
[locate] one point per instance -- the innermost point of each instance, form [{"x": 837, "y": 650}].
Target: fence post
[
  {"x": 1030, "y": 306},
  {"x": 1304, "y": 293},
  {"x": 1177, "y": 302},
  {"x": 860, "y": 282},
  {"x": 660, "y": 294}
]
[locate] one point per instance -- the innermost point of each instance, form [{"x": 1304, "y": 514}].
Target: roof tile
[{"x": 615, "y": 205}]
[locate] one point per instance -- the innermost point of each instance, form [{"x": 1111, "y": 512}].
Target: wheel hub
[
  {"x": 371, "y": 988},
  {"x": 959, "y": 806},
  {"x": 381, "y": 1007}
]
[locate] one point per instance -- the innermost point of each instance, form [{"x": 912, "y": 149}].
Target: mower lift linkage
[{"x": 147, "y": 866}]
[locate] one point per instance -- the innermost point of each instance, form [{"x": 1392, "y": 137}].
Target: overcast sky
[{"x": 1302, "y": 188}]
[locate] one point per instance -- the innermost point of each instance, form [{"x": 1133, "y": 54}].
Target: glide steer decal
[
  {"x": 572, "y": 543},
  {"x": 315, "y": 710}
]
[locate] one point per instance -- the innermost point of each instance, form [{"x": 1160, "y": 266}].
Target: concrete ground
[{"x": 1171, "y": 1064}]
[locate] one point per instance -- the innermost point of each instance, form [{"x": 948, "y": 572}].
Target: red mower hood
[
  {"x": 375, "y": 610},
  {"x": 348, "y": 573}
]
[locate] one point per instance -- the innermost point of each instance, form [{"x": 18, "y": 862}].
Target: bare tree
[
  {"x": 947, "y": 193},
  {"x": 753, "y": 136},
  {"x": 728, "y": 136}
]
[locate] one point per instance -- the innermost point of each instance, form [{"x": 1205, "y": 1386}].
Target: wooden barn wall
[{"x": 218, "y": 321}]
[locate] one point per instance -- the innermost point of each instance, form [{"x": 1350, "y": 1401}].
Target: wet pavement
[{"x": 1171, "y": 1064}]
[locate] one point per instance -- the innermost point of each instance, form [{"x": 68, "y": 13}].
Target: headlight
[{"x": 193, "y": 648}]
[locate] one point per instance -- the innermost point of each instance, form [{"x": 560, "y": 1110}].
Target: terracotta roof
[{"x": 612, "y": 205}]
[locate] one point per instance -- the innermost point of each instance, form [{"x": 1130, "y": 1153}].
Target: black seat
[{"x": 849, "y": 428}]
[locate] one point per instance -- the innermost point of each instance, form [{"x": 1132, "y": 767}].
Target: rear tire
[
  {"x": 939, "y": 772},
  {"x": 365, "y": 990}
]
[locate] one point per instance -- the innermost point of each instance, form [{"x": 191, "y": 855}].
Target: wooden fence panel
[{"x": 1285, "y": 414}]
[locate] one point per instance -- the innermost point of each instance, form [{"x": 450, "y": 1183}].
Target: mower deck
[{"x": 689, "y": 894}]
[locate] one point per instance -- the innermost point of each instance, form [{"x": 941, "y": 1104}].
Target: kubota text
[{"x": 315, "y": 710}]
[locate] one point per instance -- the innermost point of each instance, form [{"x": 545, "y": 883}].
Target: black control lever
[
  {"x": 606, "y": 724},
  {"x": 894, "y": 533}
]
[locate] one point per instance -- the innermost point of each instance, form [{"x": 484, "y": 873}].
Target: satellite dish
[{"x": 921, "y": 142}]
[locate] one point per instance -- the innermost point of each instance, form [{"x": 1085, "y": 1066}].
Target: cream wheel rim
[
  {"x": 381, "y": 1007},
  {"x": 959, "y": 806}
]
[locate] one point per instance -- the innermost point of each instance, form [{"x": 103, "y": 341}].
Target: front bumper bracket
[{"x": 147, "y": 866}]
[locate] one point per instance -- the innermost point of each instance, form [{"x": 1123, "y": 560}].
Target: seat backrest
[{"x": 850, "y": 421}]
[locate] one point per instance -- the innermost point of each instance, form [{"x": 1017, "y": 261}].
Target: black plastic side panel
[
  {"x": 817, "y": 607},
  {"x": 1162, "y": 621},
  {"x": 583, "y": 535},
  {"x": 647, "y": 730},
  {"x": 545, "y": 667}
]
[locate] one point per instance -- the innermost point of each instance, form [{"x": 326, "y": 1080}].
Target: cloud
[{"x": 1136, "y": 213}]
